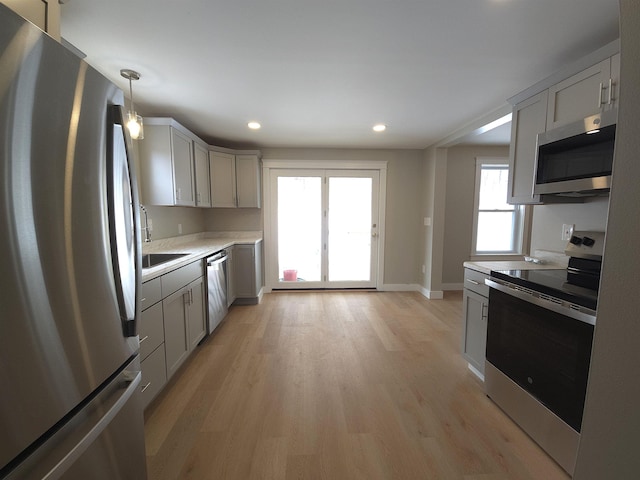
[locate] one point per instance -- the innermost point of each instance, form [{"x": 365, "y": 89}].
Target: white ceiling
[{"x": 320, "y": 73}]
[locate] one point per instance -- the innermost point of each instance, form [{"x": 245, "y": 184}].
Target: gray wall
[
  {"x": 548, "y": 221},
  {"x": 165, "y": 221},
  {"x": 459, "y": 203},
  {"x": 233, "y": 220},
  {"x": 609, "y": 445},
  {"x": 403, "y": 220}
]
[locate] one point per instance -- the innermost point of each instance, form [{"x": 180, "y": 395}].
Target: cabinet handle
[
  {"x": 145, "y": 387},
  {"x": 191, "y": 297},
  {"x": 185, "y": 297},
  {"x": 473, "y": 282},
  {"x": 143, "y": 339},
  {"x": 600, "y": 95},
  {"x": 485, "y": 313},
  {"x": 143, "y": 299},
  {"x": 610, "y": 100}
]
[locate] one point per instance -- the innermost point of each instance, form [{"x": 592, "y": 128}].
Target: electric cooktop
[{"x": 550, "y": 282}]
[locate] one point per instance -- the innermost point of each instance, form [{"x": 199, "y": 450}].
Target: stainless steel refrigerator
[{"x": 69, "y": 268}]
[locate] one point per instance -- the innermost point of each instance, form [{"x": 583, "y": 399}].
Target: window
[{"x": 497, "y": 226}]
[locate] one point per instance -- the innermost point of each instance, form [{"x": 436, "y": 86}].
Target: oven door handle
[{"x": 545, "y": 301}]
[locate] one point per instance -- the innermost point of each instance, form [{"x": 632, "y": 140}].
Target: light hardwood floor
[{"x": 336, "y": 385}]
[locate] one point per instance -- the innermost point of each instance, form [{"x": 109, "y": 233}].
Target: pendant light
[{"x": 134, "y": 121}]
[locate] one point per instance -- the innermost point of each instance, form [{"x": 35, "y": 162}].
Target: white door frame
[{"x": 270, "y": 167}]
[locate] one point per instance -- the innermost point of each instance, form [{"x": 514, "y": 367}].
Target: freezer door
[
  {"x": 61, "y": 333},
  {"x": 87, "y": 444}
]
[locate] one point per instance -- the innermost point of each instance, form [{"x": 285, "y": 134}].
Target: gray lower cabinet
[
  {"x": 475, "y": 307},
  {"x": 151, "y": 331},
  {"x": 247, "y": 274},
  {"x": 184, "y": 313},
  {"x": 172, "y": 323}
]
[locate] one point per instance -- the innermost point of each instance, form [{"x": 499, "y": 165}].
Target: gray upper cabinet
[
  {"x": 182, "y": 149},
  {"x": 235, "y": 179},
  {"x": 588, "y": 87},
  {"x": 202, "y": 177},
  {"x": 223, "y": 179},
  {"x": 528, "y": 120},
  {"x": 584, "y": 94},
  {"x": 45, "y": 14},
  {"x": 167, "y": 164},
  {"x": 247, "y": 181}
]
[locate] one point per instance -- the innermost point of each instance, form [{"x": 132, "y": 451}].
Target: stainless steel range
[{"x": 539, "y": 336}]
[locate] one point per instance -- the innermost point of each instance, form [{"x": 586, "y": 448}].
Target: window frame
[{"x": 519, "y": 212}]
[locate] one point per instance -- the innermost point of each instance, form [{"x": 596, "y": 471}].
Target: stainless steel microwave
[{"x": 576, "y": 159}]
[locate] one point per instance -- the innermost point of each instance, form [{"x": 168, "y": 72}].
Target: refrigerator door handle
[{"x": 123, "y": 220}]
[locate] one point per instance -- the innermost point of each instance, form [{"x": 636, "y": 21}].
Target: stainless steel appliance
[
  {"x": 539, "y": 336},
  {"x": 216, "y": 289},
  {"x": 576, "y": 159},
  {"x": 70, "y": 245}
]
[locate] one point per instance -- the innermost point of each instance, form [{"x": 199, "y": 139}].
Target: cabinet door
[
  {"x": 151, "y": 330},
  {"x": 43, "y": 13},
  {"x": 248, "y": 181},
  {"x": 231, "y": 286},
  {"x": 529, "y": 119},
  {"x": 612, "y": 101},
  {"x": 203, "y": 178},
  {"x": 196, "y": 314},
  {"x": 223, "y": 179},
  {"x": 181, "y": 147},
  {"x": 579, "y": 96},
  {"x": 474, "y": 340},
  {"x": 245, "y": 271},
  {"x": 154, "y": 375},
  {"x": 176, "y": 340}
]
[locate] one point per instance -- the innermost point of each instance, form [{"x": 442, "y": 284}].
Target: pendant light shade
[{"x": 134, "y": 121}]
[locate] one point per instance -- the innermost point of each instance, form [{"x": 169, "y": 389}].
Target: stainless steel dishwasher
[{"x": 216, "y": 289}]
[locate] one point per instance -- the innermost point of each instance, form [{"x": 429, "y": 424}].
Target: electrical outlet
[
  {"x": 424, "y": 269},
  {"x": 567, "y": 231},
  {"x": 150, "y": 223},
  {"x": 427, "y": 221},
  {"x": 179, "y": 229}
]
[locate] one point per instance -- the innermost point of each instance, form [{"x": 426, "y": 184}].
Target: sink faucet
[{"x": 147, "y": 232}]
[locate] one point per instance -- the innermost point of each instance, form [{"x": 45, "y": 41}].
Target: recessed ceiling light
[
  {"x": 379, "y": 127},
  {"x": 253, "y": 125}
]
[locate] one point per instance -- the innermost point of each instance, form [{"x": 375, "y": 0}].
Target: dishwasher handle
[{"x": 217, "y": 258}]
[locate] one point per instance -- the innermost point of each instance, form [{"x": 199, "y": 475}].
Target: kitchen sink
[{"x": 153, "y": 259}]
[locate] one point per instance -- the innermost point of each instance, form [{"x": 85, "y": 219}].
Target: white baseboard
[
  {"x": 400, "y": 287},
  {"x": 432, "y": 294}
]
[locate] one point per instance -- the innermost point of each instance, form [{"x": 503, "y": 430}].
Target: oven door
[{"x": 543, "y": 351}]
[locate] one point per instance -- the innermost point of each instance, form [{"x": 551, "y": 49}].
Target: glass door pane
[
  {"x": 349, "y": 229},
  {"x": 299, "y": 205}
]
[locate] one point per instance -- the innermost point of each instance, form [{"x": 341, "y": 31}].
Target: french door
[{"x": 325, "y": 228}]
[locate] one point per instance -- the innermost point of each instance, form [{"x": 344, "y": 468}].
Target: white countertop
[
  {"x": 486, "y": 267},
  {"x": 197, "y": 246}
]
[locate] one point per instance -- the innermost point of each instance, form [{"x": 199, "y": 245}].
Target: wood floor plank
[{"x": 336, "y": 385}]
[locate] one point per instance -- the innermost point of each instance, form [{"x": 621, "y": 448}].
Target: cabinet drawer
[
  {"x": 474, "y": 281},
  {"x": 151, "y": 330},
  {"x": 181, "y": 277},
  {"x": 150, "y": 293},
  {"x": 154, "y": 375}
]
